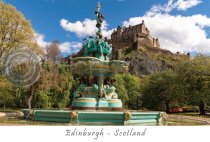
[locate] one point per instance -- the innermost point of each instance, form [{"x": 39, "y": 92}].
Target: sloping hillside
[{"x": 147, "y": 60}]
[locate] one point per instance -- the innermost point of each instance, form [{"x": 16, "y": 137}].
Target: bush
[{"x": 190, "y": 109}]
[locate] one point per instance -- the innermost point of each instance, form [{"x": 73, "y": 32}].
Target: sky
[{"x": 181, "y": 25}]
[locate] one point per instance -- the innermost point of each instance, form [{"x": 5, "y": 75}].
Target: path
[
  {"x": 207, "y": 120},
  {"x": 2, "y": 114}
]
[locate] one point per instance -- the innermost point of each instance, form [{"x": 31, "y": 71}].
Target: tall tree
[
  {"x": 194, "y": 75},
  {"x": 121, "y": 90},
  {"x": 15, "y": 30},
  {"x": 160, "y": 88},
  {"x": 132, "y": 85},
  {"x": 5, "y": 92},
  {"x": 54, "y": 86},
  {"x": 53, "y": 50}
]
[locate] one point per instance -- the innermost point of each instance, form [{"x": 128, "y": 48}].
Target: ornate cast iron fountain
[{"x": 96, "y": 90}]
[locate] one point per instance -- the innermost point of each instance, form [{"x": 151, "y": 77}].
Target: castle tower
[
  {"x": 157, "y": 43},
  {"x": 144, "y": 29},
  {"x": 119, "y": 31}
]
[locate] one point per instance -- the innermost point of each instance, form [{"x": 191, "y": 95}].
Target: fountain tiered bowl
[
  {"x": 89, "y": 95},
  {"x": 92, "y": 66}
]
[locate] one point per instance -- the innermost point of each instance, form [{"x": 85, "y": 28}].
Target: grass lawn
[{"x": 10, "y": 109}]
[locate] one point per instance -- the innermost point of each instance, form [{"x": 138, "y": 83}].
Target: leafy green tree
[
  {"x": 160, "y": 88},
  {"x": 5, "y": 92},
  {"x": 15, "y": 30},
  {"x": 54, "y": 87},
  {"x": 20, "y": 95},
  {"x": 128, "y": 90},
  {"x": 194, "y": 75},
  {"x": 121, "y": 90},
  {"x": 132, "y": 85}
]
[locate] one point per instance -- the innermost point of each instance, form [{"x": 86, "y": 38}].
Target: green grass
[{"x": 10, "y": 109}]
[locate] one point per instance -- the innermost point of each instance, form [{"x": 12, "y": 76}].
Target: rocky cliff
[{"x": 147, "y": 60}]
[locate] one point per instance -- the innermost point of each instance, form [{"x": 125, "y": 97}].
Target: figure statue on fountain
[
  {"x": 98, "y": 47},
  {"x": 99, "y": 19}
]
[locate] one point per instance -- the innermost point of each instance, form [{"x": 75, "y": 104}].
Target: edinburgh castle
[
  {"x": 132, "y": 38},
  {"x": 125, "y": 37}
]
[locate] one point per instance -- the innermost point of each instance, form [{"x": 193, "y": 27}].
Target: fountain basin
[
  {"x": 83, "y": 103},
  {"x": 114, "y": 103},
  {"x": 93, "y": 103},
  {"x": 92, "y": 117},
  {"x": 102, "y": 104}
]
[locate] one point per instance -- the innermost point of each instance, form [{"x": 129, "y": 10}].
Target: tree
[
  {"x": 121, "y": 90},
  {"x": 160, "y": 88},
  {"x": 20, "y": 95},
  {"x": 5, "y": 92},
  {"x": 132, "y": 85},
  {"x": 194, "y": 75},
  {"x": 54, "y": 86},
  {"x": 15, "y": 30},
  {"x": 53, "y": 51},
  {"x": 128, "y": 90}
]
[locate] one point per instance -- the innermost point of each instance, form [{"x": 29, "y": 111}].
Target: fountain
[
  {"x": 96, "y": 90},
  {"x": 95, "y": 99}
]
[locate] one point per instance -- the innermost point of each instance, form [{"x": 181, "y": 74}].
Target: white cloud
[
  {"x": 171, "y": 5},
  {"x": 185, "y": 4},
  {"x": 85, "y": 28},
  {"x": 70, "y": 47},
  {"x": 177, "y": 33},
  {"x": 65, "y": 47},
  {"x": 41, "y": 40}
]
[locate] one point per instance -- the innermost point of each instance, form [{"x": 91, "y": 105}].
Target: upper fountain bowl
[{"x": 92, "y": 66}]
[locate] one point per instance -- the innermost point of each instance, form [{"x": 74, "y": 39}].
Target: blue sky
[{"x": 181, "y": 25}]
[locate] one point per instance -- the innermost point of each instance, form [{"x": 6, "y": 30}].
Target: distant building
[
  {"x": 125, "y": 37},
  {"x": 66, "y": 60}
]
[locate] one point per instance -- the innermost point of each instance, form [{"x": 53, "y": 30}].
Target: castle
[{"x": 125, "y": 37}]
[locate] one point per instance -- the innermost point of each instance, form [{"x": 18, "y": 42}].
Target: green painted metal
[
  {"x": 26, "y": 112},
  {"x": 102, "y": 104},
  {"x": 52, "y": 116},
  {"x": 114, "y": 103},
  {"x": 85, "y": 102},
  {"x": 103, "y": 117}
]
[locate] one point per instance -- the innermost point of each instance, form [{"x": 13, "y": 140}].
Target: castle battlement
[{"x": 123, "y": 37}]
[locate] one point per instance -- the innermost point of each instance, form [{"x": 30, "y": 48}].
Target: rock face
[
  {"x": 141, "y": 63},
  {"x": 144, "y": 61}
]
